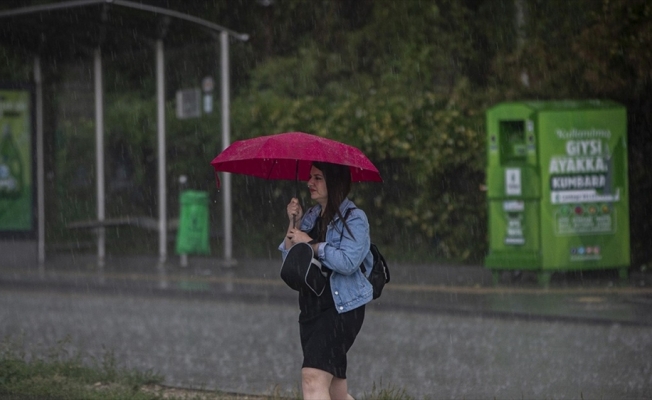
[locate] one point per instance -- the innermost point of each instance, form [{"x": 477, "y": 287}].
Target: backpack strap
[
  {"x": 348, "y": 211},
  {"x": 346, "y": 216}
]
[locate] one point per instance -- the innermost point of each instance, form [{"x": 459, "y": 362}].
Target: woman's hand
[
  {"x": 296, "y": 235},
  {"x": 295, "y": 213},
  {"x": 294, "y": 210}
]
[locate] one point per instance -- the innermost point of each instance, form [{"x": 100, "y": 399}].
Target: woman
[{"x": 338, "y": 232}]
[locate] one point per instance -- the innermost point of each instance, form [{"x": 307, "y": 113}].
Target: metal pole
[
  {"x": 40, "y": 162},
  {"x": 226, "y": 141},
  {"x": 99, "y": 154},
  {"x": 160, "y": 123}
]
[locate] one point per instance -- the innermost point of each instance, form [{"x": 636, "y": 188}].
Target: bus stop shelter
[{"x": 97, "y": 28}]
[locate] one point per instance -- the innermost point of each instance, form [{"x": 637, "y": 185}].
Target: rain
[{"x": 518, "y": 238}]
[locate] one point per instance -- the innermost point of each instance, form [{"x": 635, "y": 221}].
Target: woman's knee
[{"x": 313, "y": 379}]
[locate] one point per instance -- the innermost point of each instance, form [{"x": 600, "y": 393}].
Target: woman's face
[{"x": 317, "y": 187}]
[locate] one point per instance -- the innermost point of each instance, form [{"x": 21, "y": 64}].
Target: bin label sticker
[
  {"x": 585, "y": 218},
  {"x": 514, "y": 212},
  {"x": 583, "y": 196},
  {"x": 585, "y": 253},
  {"x": 513, "y": 205},
  {"x": 513, "y": 182}
]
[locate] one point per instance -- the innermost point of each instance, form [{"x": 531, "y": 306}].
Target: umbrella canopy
[{"x": 290, "y": 155}]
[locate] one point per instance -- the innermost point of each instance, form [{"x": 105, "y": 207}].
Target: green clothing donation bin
[
  {"x": 557, "y": 189},
  {"x": 193, "y": 234}
]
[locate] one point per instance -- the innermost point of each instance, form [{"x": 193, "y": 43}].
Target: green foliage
[
  {"x": 429, "y": 148},
  {"x": 382, "y": 91},
  {"x": 579, "y": 49}
]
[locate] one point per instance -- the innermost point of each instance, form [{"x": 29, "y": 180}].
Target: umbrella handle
[
  {"x": 296, "y": 180},
  {"x": 217, "y": 180},
  {"x": 296, "y": 191}
]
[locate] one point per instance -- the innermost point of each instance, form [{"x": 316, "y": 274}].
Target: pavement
[
  {"x": 438, "y": 330},
  {"x": 590, "y": 297}
]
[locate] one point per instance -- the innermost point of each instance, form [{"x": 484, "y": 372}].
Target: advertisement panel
[
  {"x": 16, "y": 156},
  {"x": 585, "y": 191}
]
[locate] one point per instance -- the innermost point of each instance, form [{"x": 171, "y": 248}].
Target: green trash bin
[
  {"x": 557, "y": 188},
  {"x": 193, "y": 233}
]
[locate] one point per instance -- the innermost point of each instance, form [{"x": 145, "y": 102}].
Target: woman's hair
[{"x": 338, "y": 185}]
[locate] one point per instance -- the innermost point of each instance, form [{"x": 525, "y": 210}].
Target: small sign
[
  {"x": 207, "y": 84},
  {"x": 188, "y": 103},
  {"x": 208, "y": 103},
  {"x": 513, "y": 182}
]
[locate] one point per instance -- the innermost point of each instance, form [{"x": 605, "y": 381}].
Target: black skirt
[{"x": 327, "y": 337}]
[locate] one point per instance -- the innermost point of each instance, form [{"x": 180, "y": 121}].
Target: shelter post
[
  {"x": 226, "y": 134},
  {"x": 40, "y": 168},
  {"x": 160, "y": 123},
  {"x": 99, "y": 151}
]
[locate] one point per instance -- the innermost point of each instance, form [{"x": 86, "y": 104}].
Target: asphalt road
[{"x": 253, "y": 347}]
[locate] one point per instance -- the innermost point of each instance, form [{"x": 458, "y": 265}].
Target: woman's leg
[
  {"x": 339, "y": 389},
  {"x": 315, "y": 384}
]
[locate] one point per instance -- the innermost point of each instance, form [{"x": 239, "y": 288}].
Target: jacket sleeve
[{"x": 346, "y": 254}]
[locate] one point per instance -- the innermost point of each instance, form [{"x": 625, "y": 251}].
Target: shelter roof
[{"x": 59, "y": 29}]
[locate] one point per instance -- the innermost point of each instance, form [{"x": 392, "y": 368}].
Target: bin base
[
  {"x": 519, "y": 261},
  {"x": 544, "y": 277},
  {"x": 499, "y": 262}
]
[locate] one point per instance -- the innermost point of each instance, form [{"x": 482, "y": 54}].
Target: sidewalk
[{"x": 591, "y": 297}]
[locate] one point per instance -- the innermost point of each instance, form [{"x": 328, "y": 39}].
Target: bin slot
[{"x": 512, "y": 142}]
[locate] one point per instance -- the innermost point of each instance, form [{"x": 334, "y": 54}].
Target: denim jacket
[{"x": 343, "y": 255}]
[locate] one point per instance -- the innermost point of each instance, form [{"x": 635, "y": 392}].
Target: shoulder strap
[{"x": 346, "y": 216}]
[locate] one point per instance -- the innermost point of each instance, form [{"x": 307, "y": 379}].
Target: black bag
[
  {"x": 301, "y": 269},
  {"x": 379, "y": 274}
]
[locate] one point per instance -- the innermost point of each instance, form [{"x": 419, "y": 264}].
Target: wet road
[{"x": 252, "y": 347}]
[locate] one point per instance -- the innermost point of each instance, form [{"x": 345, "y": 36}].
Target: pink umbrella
[{"x": 289, "y": 156}]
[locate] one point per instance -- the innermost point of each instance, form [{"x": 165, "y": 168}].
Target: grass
[
  {"x": 65, "y": 375},
  {"x": 62, "y": 375},
  {"x": 387, "y": 393}
]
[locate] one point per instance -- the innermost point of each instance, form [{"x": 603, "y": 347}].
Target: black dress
[{"x": 326, "y": 335}]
